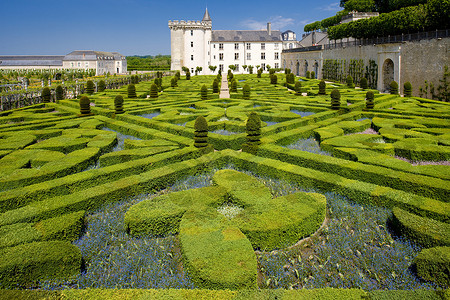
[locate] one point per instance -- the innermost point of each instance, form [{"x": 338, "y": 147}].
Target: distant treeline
[{"x": 148, "y": 63}]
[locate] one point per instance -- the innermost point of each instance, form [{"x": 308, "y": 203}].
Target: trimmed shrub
[
  {"x": 298, "y": 88},
  {"x": 131, "y": 91},
  {"x": 233, "y": 87},
  {"x": 85, "y": 105},
  {"x": 246, "y": 92},
  {"x": 90, "y": 87},
  {"x": 59, "y": 92},
  {"x": 188, "y": 75},
  {"x": 363, "y": 83},
  {"x": 407, "y": 89},
  {"x": 259, "y": 73},
  {"x": 273, "y": 79},
  {"x": 369, "y": 100},
  {"x": 272, "y": 71},
  {"x": 393, "y": 88},
  {"x": 46, "y": 95},
  {"x": 178, "y": 75},
  {"x": 350, "y": 83},
  {"x": 322, "y": 88},
  {"x": 173, "y": 82},
  {"x": 253, "y": 128},
  {"x": 204, "y": 92},
  {"x": 118, "y": 104},
  {"x": 434, "y": 265},
  {"x": 308, "y": 74},
  {"x": 153, "y": 91},
  {"x": 201, "y": 132},
  {"x": 101, "y": 86},
  {"x": 287, "y": 71},
  {"x": 215, "y": 86},
  {"x": 313, "y": 75},
  {"x": 335, "y": 99}
]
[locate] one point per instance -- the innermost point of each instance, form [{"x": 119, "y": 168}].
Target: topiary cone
[
  {"x": 89, "y": 87},
  {"x": 46, "y": 95},
  {"x": 335, "y": 99},
  {"x": 322, "y": 87},
  {"x": 153, "y": 91},
  {"x": 246, "y": 92},
  {"x": 118, "y": 104},
  {"x": 407, "y": 89},
  {"x": 201, "y": 132},
  {"x": 204, "y": 92},
  {"x": 85, "y": 105},
  {"x": 369, "y": 100},
  {"x": 131, "y": 91},
  {"x": 298, "y": 88}
]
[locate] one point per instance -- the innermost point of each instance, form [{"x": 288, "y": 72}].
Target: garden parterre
[{"x": 59, "y": 170}]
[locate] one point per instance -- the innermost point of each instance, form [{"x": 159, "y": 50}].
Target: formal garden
[{"x": 292, "y": 188}]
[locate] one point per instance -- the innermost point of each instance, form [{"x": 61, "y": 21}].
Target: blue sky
[{"x": 137, "y": 27}]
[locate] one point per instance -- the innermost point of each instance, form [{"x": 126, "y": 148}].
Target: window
[
  {"x": 249, "y": 56},
  {"x": 277, "y": 65},
  {"x": 220, "y": 56},
  {"x": 237, "y": 67},
  {"x": 249, "y": 47},
  {"x": 290, "y": 45},
  {"x": 263, "y": 46},
  {"x": 236, "y": 46},
  {"x": 192, "y": 32},
  {"x": 192, "y": 70},
  {"x": 79, "y": 64},
  {"x": 263, "y": 66},
  {"x": 214, "y": 46},
  {"x": 276, "y": 55},
  {"x": 71, "y": 64},
  {"x": 263, "y": 55},
  {"x": 192, "y": 44},
  {"x": 192, "y": 57},
  {"x": 236, "y": 56},
  {"x": 276, "y": 45},
  {"x": 214, "y": 57},
  {"x": 221, "y": 68},
  {"x": 221, "y": 46}
]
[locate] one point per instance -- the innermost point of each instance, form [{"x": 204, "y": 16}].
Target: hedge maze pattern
[{"x": 58, "y": 165}]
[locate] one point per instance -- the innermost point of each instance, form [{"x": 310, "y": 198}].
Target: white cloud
[
  {"x": 278, "y": 22},
  {"x": 331, "y": 7}
]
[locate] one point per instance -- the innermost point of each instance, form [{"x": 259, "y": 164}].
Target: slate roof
[
  {"x": 31, "y": 60},
  {"x": 82, "y": 55},
  {"x": 245, "y": 36},
  {"x": 206, "y": 17}
]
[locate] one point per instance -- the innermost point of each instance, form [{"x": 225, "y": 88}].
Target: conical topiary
[
  {"x": 46, "y": 95},
  {"x": 298, "y": 88},
  {"x": 101, "y": 86},
  {"x": 90, "y": 87},
  {"x": 313, "y": 75},
  {"x": 350, "y": 83},
  {"x": 178, "y": 75},
  {"x": 259, "y": 73},
  {"x": 308, "y": 74},
  {"x": 335, "y": 99},
  {"x": 201, "y": 132},
  {"x": 215, "y": 86},
  {"x": 59, "y": 92},
  {"x": 173, "y": 82},
  {"x": 131, "y": 91},
  {"x": 369, "y": 99},
  {"x": 253, "y": 128},
  {"x": 273, "y": 79},
  {"x": 118, "y": 104},
  {"x": 153, "y": 91},
  {"x": 204, "y": 92},
  {"x": 85, "y": 106},
  {"x": 246, "y": 92},
  {"x": 407, "y": 89},
  {"x": 393, "y": 87},
  {"x": 233, "y": 87},
  {"x": 322, "y": 88},
  {"x": 188, "y": 75},
  {"x": 363, "y": 83}
]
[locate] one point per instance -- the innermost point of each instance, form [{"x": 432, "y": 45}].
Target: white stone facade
[{"x": 194, "y": 44}]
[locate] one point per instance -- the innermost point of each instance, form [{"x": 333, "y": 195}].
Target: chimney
[{"x": 269, "y": 28}]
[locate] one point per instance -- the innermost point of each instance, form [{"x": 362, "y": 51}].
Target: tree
[
  {"x": 198, "y": 70},
  {"x": 101, "y": 86},
  {"x": 298, "y": 88},
  {"x": 85, "y": 106},
  {"x": 46, "y": 95},
  {"x": 200, "y": 132},
  {"x": 215, "y": 85},
  {"x": 244, "y": 67},
  {"x": 250, "y": 69},
  {"x": 335, "y": 99},
  {"x": 350, "y": 83},
  {"x": 363, "y": 83},
  {"x": 59, "y": 92},
  {"x": 89, "y": 87},
  {"x": 188, "y": 75},
  {"x": 131, "y": 91},
  {"x": 118, "y": 104},
  {"x": 246, "y": 92},
  {"x": 173, "y": 82},
  {"x": 360, "y": 5},
  {"x": 233, "y": 87},
  {"x": 153, "y": 91},
  {"x": 393, "y": 88},
  {"x": 369, "y": 100},
  {"x": 204, "y": 92},
  {"x": 322, "y": 88},
  {"x": 232, "y": 67},
  {"x": 213, "y": 68},
  {"x": 407, "y": 89},
  {"x": 253, "y": 128}
]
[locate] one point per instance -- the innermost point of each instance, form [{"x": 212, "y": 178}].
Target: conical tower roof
[{"x": 206, "y": 17}]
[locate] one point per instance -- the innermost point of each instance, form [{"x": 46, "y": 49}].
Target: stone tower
[{"x": 190, "y": 43}]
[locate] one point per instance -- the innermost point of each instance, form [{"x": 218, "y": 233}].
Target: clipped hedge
[{"x": 434, "y": 265}]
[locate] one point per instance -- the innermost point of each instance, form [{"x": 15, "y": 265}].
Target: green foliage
[
  {"x": 363, "y": 83},
  {"x": 246, "y": 92},
  {"x": 360, "y": 5},
  {"x": 188, "y": 75},
  {"x": 259, "y": 73},
  {"x": 118, "y": 104},
  {"x": 298, "y": 88},
  {"x": 335, "y": 99},
  {"x": 437, "y": 14},
  {"x": 313, "y": 26},
  {"x": 313, "y": 75},
  {"x": 322, "y": 88},
  {"x": 131, "y": 91},
  {"x": 350, "y": 83},
  {"x": 308, "y": 74},
  {"x": 204, "y": 92},
  {"x": 215, "y": 86},
  {"x": 59, "y": 93},
  {"x": 101, "y": 86},
  {"x": 444, "y": 86},
  {"x": 85, "y": 105},
  {"x": 153, "y": 91},
  {"x": 173, "y": 82},
  {"x": 407, "y": 89},
  {"x": 178, "y": 75},
  {"x": 290, "y": 77},
  {"x": 46, "y": 95},
  {"x": 393, "y": 88},
  {"x": 250, "y": 69},
  {"x": 287, "y": 71},
  {"x": 273, "y": 79},
  {"x": 148, "y": 63},
  {"x": 434, "y": 265},
  {"x": 253, "y": 128},
  {"x": 369, "y": 100},
  {"x": 233, "y": 86},
  {"x": 90, "y": 87},
  {"x": 201, "y": 132}
]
